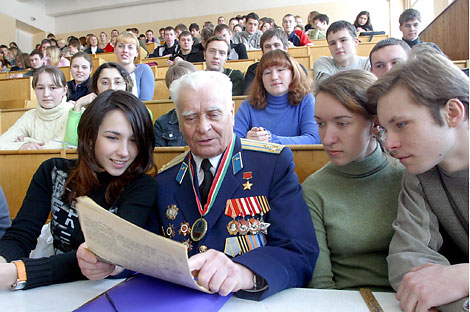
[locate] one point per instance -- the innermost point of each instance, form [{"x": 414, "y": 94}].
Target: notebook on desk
[{"x": 144, "y": 293}]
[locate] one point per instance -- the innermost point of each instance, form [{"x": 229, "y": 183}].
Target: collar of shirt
[{"x": 200, "y": 173}]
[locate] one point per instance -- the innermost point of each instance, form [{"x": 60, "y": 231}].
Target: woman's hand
[
  {"x": 258, "y": 134},
  {"x": 93, "y": 268},
  {"x": 8, "y": 274},
  {"x": 84, "y": 101},
  {"x": 31, "y": 146}
]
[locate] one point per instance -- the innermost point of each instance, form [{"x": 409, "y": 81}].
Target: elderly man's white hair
[{"x": 216, "y": 82}]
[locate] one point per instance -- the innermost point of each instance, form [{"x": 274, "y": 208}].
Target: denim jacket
[{"x": 167, "y": 132}]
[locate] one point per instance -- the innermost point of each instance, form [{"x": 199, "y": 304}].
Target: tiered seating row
[{"x": 18, "y": 167}]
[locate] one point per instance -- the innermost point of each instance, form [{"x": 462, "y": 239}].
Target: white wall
[
  {"x": 163, "y": 11},
  {"x": 25, "y": 12},
  {"x": 24, "y": 40}
]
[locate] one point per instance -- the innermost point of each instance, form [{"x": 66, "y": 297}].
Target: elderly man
[
  {"x": 216, "y": 52},
  {"x": 423, "y": 105},
  {"x": 251, "y": 36},
  {"x": 386, "y": 54},
  {"x": 236, "y": 204}
]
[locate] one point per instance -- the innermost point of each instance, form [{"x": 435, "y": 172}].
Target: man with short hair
[
  {"x": 232, "y": 23},
  {"x": 149, "y": 36},
  {"x": 320, "y": 25},
  {"x": 194, "y": 29},
  {"x": 410, "y": 26},
  {"x": 254, "y": 252},
  {"x": 161, "y": 33},
  {"x": 186, "y": 52},
  {"x": 423, "y": 106},
  {"x": 251, "y": 35},
  {"x": 36, "y": 59},
  {"x": 298, "y": 20},
  {"x": 221, "y": 20},
  {"x": 179, "y": 29},
  {"x": 50, "y": 36},
  {"x": 216, "y": 53},
  {"x": 342, "y": 42},
  {"x": 171, "y": 45},
  {"x": 44, "y": 44},
  {"x": 237, "y": 50},
  {"x": 74, "y": 46},
  {"x": 386, "y": 54},
  {"x": 297, "y": 38}
]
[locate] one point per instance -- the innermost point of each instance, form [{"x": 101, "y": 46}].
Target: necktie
[{"x": 207, "y": 182}]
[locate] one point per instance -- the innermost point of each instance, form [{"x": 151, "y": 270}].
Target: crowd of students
[{"x": 394, "y": 125}]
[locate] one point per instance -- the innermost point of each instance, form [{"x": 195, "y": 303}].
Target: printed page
[{"x": 120, "y": 242}]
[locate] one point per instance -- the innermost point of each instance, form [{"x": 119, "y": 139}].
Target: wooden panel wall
[{"x": 449, "y": 31}]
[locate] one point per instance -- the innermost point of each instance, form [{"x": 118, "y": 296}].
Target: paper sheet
[{"x": 120, "y": 242}]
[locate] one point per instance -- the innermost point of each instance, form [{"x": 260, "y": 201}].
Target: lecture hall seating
[{"x": 18, "y": 167}]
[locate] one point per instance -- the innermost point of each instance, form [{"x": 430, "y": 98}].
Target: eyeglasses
[{"x": 115, "y": 82}]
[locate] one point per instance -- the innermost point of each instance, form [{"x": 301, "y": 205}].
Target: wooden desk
[
  {"x": 69, "y": 296},
  {"x": 8, "y": 117}
]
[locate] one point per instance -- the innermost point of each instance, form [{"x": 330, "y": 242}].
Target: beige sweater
[{"x": 38, "y": 125}]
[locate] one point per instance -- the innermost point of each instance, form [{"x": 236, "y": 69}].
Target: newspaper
[{"x": 120, "y": 242}]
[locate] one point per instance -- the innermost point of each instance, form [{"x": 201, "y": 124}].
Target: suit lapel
[{"x": 185, "y": 199}]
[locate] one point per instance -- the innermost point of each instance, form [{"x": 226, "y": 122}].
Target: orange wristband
[{"x": 22, "y": 277}]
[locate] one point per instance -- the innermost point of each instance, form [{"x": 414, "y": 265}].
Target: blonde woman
[{"x": 54, "y": 58}]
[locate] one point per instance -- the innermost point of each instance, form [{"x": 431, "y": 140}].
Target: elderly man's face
[{"x": 206, "y": 120}]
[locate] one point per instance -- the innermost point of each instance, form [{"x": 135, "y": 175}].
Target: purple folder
[{"x": 145, "y": 293}]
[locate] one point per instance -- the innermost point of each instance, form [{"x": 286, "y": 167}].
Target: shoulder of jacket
[
  {"x": 266, "y": 147},
  {"x": 175, "y": 161}
]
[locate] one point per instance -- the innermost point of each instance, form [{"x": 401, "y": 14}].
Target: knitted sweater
[
  {"x": 44, "y": 197},
  {"x": 288, "y": 124},
  {"x": 353, "y": 207},
  {"x": 38, "y": 125}
]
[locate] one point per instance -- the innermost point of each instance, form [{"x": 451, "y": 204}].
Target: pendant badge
[
  {"x": 198, "y": 229},
  {"x": 184, "y": 229}
]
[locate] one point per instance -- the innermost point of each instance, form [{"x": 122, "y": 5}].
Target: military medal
[
  {"x": 232, "y": 227},
  {"x": 171, "y": 212},
  {"x": 244, "y": 227},
  {"x": 254, "y": 226},
  {"x": 247, "y": 176},
  {"x": 188, "y": 244},
  {"x": 184, "y": 229},
  {"x": 199, "y": 227},
  {"x": 170, "y": 231}
]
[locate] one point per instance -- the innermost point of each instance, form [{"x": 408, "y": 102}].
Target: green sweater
[{"x": 352, "y": 208}]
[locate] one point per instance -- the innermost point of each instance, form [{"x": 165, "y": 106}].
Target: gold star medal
[{"x": 247, "y": 176}]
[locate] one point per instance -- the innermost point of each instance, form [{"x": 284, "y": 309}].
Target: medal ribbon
[{"x": 218, "y": 179}]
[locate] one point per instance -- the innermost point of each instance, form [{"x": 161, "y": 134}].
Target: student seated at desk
[
  {"x": 109, "y": 76},
  {"x": 126, "y": 50},
  {"x": 352, "y": 199},
  {"x": 44, "y": 126},
  {"x": 280, "y": 107},
  {"x": 116, "y": 149},
  {"x": 80, "y": 68},
  {"x": 166, "y": 128},
  {"x": 54, "y": 58}
]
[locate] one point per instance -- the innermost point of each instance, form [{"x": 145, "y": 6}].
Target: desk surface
[{"x": 69, "y": 296}]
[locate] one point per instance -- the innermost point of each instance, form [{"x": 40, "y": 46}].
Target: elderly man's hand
[
  {"x": 432, "y": 285},
  {"x": 215, "y": 271}
]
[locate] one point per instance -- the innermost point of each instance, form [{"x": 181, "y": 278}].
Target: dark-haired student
[
  {"x": 115, "y": 150},
  {"x": 186, "y": 52}
]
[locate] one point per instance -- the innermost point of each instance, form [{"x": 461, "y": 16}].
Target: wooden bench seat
[
  {"x": 17, "y": 167},
  {"x": 17, "y": 93}
]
